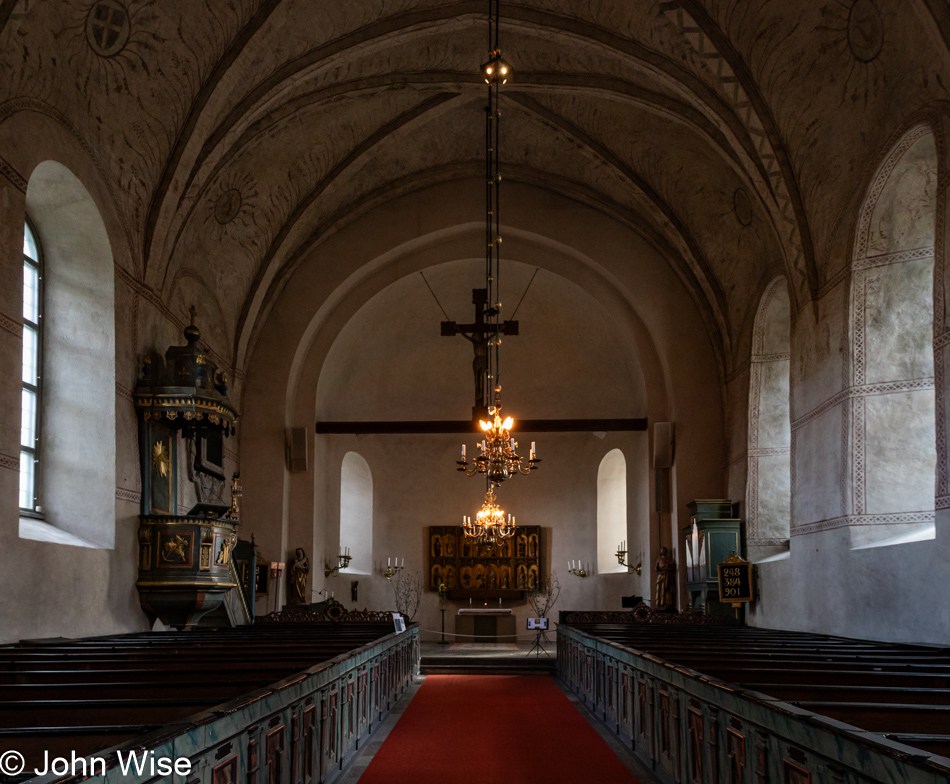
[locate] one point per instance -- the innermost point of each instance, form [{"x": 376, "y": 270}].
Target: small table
[{"x": 485, "y": 624}]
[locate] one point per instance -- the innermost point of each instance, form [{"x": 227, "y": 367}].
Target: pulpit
[{"x": 185, "y": 564}]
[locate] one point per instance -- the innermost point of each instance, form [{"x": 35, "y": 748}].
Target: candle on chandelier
[
  {"x": 388, "y": 562},
  {"x": 463, "y": 451}
]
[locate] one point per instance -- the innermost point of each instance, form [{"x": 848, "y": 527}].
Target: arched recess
[
  {"x": 77, "y": 493},
  {"x": 611, "y": 510},
  {"x": 768, "y": 492},
  {"x": 425, "y": 229},
  {"x": 356, "y": 512},
  {"x": 892, "y": 406}
]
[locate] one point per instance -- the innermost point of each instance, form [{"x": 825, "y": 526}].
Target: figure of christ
[
  {"x": 479, "y": 342},
  {"x": 478, "y": 334}
]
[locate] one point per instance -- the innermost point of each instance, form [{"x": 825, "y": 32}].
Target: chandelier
[
  {"x": 498, "y": 458},
  {"x": 490, "y": 524}
]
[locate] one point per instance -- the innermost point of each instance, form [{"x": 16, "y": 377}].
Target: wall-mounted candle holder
[
  {"x": 343, "y": 560},
  {"x": 622, "y": 558},
  {"x": 576, "y": 568},
  {"x": 393, "y": 567}
]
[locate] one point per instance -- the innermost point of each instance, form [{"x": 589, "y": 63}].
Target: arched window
[
  {"x": 892, "y": 407},
  {"x": 76, "y": 422},
  {"x": 356, "y": 512},
  {"x": 32, "y": 342},
  {"x": 768, "y": 492},
  {"x": 611, "y": 510}
]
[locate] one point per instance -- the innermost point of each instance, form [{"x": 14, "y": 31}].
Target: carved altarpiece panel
[{"x": 505, "y": 569}]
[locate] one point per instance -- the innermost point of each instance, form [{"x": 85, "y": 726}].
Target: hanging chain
[{"x": 496, "y": 73}]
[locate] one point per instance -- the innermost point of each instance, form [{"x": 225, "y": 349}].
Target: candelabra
[
  {"x": 498, "y": 458},
  {"x": 393, "y": 569},
  {"x": 576, "y": 569},
  {"x": 343, "y": 560},
  {"x": 490, "y": 524},
  {"x": 622, "y": 558}
]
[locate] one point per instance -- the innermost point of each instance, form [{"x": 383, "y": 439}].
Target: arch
[
  {"x": 768, "y": 491},
  {"x": 611, "y": 510},
  {"x": 891, "y": 412},
  {"x": 356, "y": 512},
  {"x": 78, "y": 368},
  {"x": 367, "y": 262}
]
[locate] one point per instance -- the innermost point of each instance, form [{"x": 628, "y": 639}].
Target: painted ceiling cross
[{"x": 477, "y": 333}]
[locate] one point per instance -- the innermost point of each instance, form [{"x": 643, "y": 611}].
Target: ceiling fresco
[{"x": 739, "y": 137}]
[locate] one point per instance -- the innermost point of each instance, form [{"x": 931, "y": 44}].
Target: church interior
[{"x": 242, "y": 247}]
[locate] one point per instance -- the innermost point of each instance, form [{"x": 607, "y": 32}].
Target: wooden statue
[
  {"x": 299, "y": 571},
  {"x": 665, "y": 580}
]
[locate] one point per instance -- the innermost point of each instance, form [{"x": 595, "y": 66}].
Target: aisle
[{"x": 475, "y": 729}]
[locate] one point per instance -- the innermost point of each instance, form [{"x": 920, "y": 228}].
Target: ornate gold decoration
[
  {"x": 490, "y": 524},
  {"x": 174, "y": 549},
  {"x": 225, "y": 552},
  {"x": 160, "y": 459}
]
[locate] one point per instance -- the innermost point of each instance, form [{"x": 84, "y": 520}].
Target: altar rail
[
  {"x": 303, "y": 728},
  {"x": 690, "y": 728}
]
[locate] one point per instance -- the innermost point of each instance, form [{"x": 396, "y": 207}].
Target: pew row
[
  {"x": 737, "y": 705},
  {"x": 271, "y": 702}
]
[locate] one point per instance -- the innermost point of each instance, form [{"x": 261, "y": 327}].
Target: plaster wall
[
  {"x": 54, "y": 586},
  {"x": 863, "y": 438},
  {"x": 890, "y": 593},
  {"x": 561, "y": 497},
  {"x": 569, "y": 371}
]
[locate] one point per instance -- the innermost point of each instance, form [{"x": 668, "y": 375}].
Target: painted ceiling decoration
[{"x": 732, "y": 135}]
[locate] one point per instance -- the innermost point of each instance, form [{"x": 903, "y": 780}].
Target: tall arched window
[
  {"x": 611, "y": 510},
  {"x": 891, "y": 475},
  {"x": 356, "y": 512},
  {"x": 74, "y": 420},
  {"x": 768, "y": 493},
  {"x": 32, "y": 342}
]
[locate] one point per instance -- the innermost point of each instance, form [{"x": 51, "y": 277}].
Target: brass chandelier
[
  {"x": 490, "y": 524},
  {"x": 498, "y": 458}
]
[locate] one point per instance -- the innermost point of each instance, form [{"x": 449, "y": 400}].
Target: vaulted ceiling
[{"x": 737, "y": 136}]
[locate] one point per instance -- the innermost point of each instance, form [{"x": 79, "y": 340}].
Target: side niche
[{"x": 473, "y": 570}]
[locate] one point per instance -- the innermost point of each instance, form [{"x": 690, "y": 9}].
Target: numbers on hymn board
[{"x": 735, "y": 582}]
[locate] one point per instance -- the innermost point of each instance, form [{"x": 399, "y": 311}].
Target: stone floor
[{"x": 486, "y": 658}]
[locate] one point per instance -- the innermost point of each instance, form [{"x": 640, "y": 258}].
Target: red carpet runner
[{"x": 493, "y": 729}]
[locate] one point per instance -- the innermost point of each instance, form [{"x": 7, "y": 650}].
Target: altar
[{"x": 485, "y": 624}]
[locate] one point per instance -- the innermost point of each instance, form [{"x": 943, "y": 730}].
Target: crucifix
[{"x": 477, "y": 333}]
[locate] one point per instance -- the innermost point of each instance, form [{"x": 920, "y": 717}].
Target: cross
[{"x": 477, "y": 333}]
